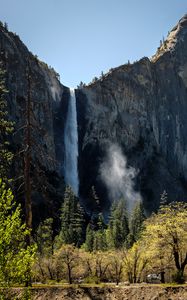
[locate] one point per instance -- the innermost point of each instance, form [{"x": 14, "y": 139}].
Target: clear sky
[{"x": 81, "y": 38}]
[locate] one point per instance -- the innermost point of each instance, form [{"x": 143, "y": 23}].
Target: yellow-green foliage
[
  {"x": 161, "y": 249},
  {"x": 15, "y": 257},
  {"x": 165, "y": 237},
  {"x": 135, "y": 262}
]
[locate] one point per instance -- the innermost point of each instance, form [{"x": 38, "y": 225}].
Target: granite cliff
[
  {"x": 47, "y": 130},
  {"x": 140, "y": 107}
]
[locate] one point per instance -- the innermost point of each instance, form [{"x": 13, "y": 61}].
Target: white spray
[
  {"x": 118, "y": 178},
  {"x": 71, "y": 145}
]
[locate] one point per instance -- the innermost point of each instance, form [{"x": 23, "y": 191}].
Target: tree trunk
[
  {"x": 69, "y": 274},
  {"x": 27, "y": 179},
  {"x": 162, "y": 277},
  {"x": 184, "y": 263},
  {"x": 27, "y": 160}
]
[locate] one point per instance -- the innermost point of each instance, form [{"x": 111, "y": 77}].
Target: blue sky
[{"x": 81, "y": 38}]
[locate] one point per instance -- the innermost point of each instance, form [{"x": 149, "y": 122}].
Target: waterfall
[{"x": 71, "y": 145}]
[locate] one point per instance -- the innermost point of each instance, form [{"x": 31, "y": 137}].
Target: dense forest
[{"x": 88, "y": 248}]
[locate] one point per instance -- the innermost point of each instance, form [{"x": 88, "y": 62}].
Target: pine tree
[
  {"x": 100, "y": 234},
  {"x": 118, "y": 224},
  {"x": 97, "y": 208},
  {"x": 100, "y": 222},
  {"x": 72, "y": 220},
  {"x": 67, "y": 210},
  {"x": 163, "y": 198},
  {"x": 96, "y": 234},
  {"x": 44, "y": 238},
  {"x": 89, "y": 241},
  {"x": 27, "y": 157},
  {"x": 79, "y": 224},
  {"x": 100, "y": 242},
  {"x": 136, "y": 223}
]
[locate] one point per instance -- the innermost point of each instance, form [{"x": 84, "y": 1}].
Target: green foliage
[
  {"x": 100, "y": 242},
  {"x": 44, "y": 238},
  {"x": 6, "y": 25},
  {"x": 15, "y": 258},
  {"x": 96, "y": 234},
  {"x": 165, "y": 237},
  {"x": 136, "y": 223},
  {"x": 159, "y": 246},
  {"x": 135, "y": 261},
  {"x": 26, "y": 294},
  {"x": 94, "y": 80},
  {"x": 89, "y": 242},
  {"x": 118, "y": 225},
  {"x": 81, "y": 85},
  {"x": 163, "y": 198},
  {"x": 6, "y": 127},
  {"x": 95, "y": 199},
  {"x": 102, "y": 237},
  {"x": 72, "y": 221}
]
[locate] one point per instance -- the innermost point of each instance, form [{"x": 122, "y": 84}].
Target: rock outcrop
[
  {"x": 141, "y": 107},
  {"x": 47, "y": 122}
]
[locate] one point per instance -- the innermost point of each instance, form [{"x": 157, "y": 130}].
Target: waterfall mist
[
  {"x": 118, "y": 178},
  {"x": 71, "y": 145}
]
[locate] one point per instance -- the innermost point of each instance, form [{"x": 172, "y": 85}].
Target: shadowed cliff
[{"x": 142, "y": 108}]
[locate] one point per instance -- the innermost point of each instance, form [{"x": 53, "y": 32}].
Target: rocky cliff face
[
  {"x": 142, "y": 107},
  {"x": 48, "y": 96}
]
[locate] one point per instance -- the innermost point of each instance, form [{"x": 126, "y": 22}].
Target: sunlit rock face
[{"x": 143, "y": 108}]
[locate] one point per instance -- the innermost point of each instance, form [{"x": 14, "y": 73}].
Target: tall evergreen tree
[
  {"x": 79, "y": 223},
  {"x": 100, "y": 234},
  {"x": 136, "y": 223},
  {"x": 96, "y": 201},
  {"x": 163, "y": 198},
  {"x": 72, "y": 220},
  {"x": 100, "y": 242},
  {"x": 118, "y": 224},
  {"x": 27, "y": 156},
  {"x": 96, "y": 234},
  {"x": 44, "y": 238},
  {"x": 89, "y": 241}
]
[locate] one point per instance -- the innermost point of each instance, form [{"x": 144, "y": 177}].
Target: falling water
[{"x": 71, "y": 145}]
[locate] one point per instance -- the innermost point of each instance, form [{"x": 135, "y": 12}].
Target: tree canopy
[
  {"x": 165, "y": 236},
  {"x": 15, "y": 257}
]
